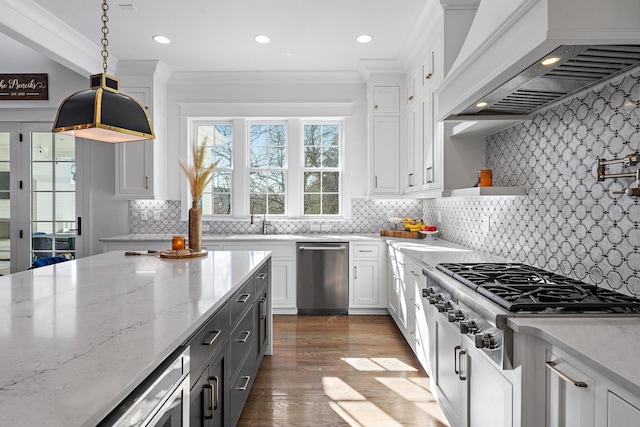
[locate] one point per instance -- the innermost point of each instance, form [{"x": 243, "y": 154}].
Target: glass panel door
[
  {"x": 53, "y": 195},
  {"x": 5, "y": 202}
]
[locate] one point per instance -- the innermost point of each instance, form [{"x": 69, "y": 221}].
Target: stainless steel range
[{"x": 480, "y": 297}]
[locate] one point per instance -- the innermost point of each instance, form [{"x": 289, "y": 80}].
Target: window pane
[
  {"x": 312, "y": 182},
  {"x": 221, "y": 182},
  {"x": 276, "y": 204},
  {"x": 312, "y": 135},
  {"x": 65, "y": 206},
  {"x": 206, "y": 203},
  {"x": 312, "y": 204},
  {"x": 5, "y": 145},
  {"x": 222, "y": 155},
  {"x": 277, "y": 157},
  {"x": 42, "y": 206},
  {"x": 41, "y": 175},
  {"x": 330, "y": 182},
  {"x": 330, "y": 135},
  {"x": 258, "y": 182},
  {"x": 65, "y": 176},
  {"x": 312, "y": 157},
  {"x": 276, "y": 182},
  {"x": 277, "y": 135},
  {"x": 330, "y": 204},
  {"x": 258, "y": 135},
  {"x": 222, "y": 204},
  {"x": 330, "y": 158},
  {"x": 257, "y": 203},
  {"x": 41, "y": 147},
  {"x": 259, "y": 157}
]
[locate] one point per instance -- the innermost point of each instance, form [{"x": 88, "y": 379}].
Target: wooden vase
[{"x": 195, "y": 228}]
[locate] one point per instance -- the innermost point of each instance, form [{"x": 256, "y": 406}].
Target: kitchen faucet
[{"x": 265, "y": 224}]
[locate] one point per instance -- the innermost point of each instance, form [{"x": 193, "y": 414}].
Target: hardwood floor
[{"x": 340, "y": 371}]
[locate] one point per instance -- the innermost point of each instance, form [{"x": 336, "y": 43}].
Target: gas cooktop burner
[{"x": 519, "y": 287}]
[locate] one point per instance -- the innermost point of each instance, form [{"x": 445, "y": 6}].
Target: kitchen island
[{"x": 76, "y": 338}]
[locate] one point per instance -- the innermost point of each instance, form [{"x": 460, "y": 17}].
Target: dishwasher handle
[{"x": 322, "y": 248}]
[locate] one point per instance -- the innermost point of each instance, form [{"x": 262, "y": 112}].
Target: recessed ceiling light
[
  {"x": 550, "y": 61},
  {"x": 162, "y": 39},
  {"x": 261, "y": 38},
  {"x": 481, "y": 104},
  {"x": 364, "y": 38}
]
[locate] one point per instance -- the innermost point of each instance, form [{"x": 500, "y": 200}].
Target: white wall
[
  {"x": 259, "y": 94},
  {"x": 17, "y": 58}
]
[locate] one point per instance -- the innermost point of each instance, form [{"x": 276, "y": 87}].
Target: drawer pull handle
[
  {"x": 246, "y": 337},
  {"x": 261, "y": 276},
  {"x": 365, "y": 250},
  {"x": 567, "y": 378},
  {"x": 210, "y": 339},
  {"x": 414, "y": 273},
  {"x": 246, "y": 383},
  {"x": 244, "y": 298}
]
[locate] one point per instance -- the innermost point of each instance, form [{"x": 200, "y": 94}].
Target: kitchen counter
[
  {"x": 608, "y": 345},
  {"x": 77, "y": 337},
  {"x": 432, "y": 252}
]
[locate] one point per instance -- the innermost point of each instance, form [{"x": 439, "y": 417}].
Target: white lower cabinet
[
  {"x": 283, "y": 290},
  {"x": 471, "y": 391},
  {"x": 570, "y": 394},
  {"x": 621, "y": 413},
  {"x": 366, "y": 290}
]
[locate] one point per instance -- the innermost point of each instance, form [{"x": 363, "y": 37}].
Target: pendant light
[{"x": 102, "y": 113}]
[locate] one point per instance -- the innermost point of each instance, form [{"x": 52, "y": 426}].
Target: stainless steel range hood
[
  {"x": 577, "y": 68},
  {"x": 500, "y": 61}
]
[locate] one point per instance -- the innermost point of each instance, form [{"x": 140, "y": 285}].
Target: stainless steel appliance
[
  {"x": 323, "y": 278},
  {"x": 480, "y": 297},
  {"x": 161, "y": 400}
]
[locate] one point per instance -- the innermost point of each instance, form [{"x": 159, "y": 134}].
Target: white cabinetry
[
  {"x": 141, "y": 165},
  {"x": 470, "y": 390},
  {"x": 621, "y": 413},
  {"x": 384, "y": 133},
  {"x": 283, "y": 290},
  {"x": 367, "y": 290}
]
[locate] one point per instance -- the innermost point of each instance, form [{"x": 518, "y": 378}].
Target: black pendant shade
[{"x": 102, "y": 113}]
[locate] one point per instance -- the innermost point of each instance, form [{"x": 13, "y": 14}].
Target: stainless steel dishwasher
[{"x": 323, "y": 278}]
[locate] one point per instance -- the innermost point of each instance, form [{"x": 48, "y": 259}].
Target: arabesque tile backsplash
[{"x": 567, "y": 223}]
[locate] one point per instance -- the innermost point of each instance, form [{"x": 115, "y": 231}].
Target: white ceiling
[{"x": 218, "y": 35}]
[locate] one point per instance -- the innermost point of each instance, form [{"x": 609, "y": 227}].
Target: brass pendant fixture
[{"x": 102, "y": 113}]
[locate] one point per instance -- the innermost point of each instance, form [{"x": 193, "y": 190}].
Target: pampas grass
[{"x": 198, "y": 175}]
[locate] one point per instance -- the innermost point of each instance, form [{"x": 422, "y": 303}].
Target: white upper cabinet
[
  {"x": 384, "y": 139},
  {"x": 141, "y": 165}
]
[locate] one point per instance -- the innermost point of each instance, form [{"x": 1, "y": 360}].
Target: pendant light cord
[{"x": 105, "y": 31}]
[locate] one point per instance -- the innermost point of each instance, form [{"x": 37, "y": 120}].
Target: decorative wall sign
[{"x": 32, "y": 87}]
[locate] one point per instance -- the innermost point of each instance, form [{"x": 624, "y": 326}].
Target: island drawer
[
  {"x": 242, "y": 299},
  {"x": 262, "y": 278},
  {"x": 241, "y": 342},
  {"x": 209, "y": 339},
  {"x": 240, "y": 388}
]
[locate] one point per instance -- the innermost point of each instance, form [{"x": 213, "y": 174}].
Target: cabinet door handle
[
  {"x": 355, "y": 272},
  {"x": 411, "y": 98},
  {"x": 263, "y": 314},
  {"x": 413, "y": 335},
  {"x": 462, "y": 353},
  {"x": 214, "y": 404},
  {"x": 375, "y": 107},
  {"x": 456, "y": 359},
  {"x": 146, "y": 182},
  {"x": 375, "y": 181},
  {"x": 246, "y": 337},
  {"x": 211, "y": 337},
  {"x": 567, "y": 378},
  {"x": 210, "y": 400},
  {"x": 246, "y": 383},
  {"x": 415, "y": 274},
  {"x": 244, "y": 298},
  {"x": 428, "y": 76},
  {"x": 261, "y": 276}
]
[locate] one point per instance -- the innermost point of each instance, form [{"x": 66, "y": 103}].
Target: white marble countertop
[
  {"x": 609, "y": 345},
  {"x": 77, "y": 337}
]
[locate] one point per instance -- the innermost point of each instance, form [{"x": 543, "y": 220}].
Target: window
[
  {"x": 216, "y": 198},
  {"x": 268, "y": 168},
  {"x": 290, "y": 168},
  {"x": 321, "y": 169}
]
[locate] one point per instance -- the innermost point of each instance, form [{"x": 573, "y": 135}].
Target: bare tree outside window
[
  {"x": 216, "y": 199},
  {"x": 268, "y": 165},
  {"x": 321, "y": 180}
]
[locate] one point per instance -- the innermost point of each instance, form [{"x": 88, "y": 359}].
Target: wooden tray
[
  {"x": 402, "y": 233},
  {"x": 175, "y": 255}
]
